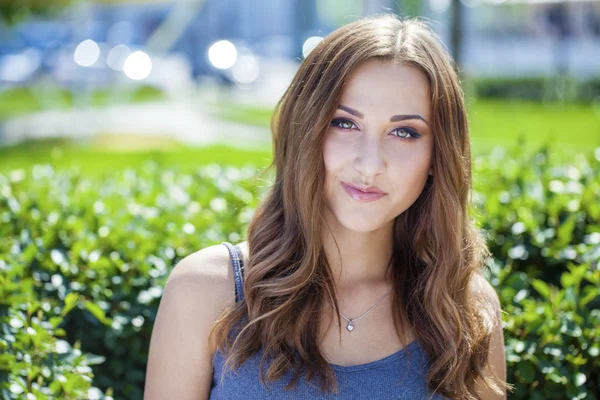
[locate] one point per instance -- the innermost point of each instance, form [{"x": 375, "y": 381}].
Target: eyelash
[{"x": 413, "y": 134}]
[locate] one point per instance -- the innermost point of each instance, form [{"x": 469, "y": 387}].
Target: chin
[{"x": 359, "y": 223}]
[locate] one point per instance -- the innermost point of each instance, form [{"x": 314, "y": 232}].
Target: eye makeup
[{"x": 338, "y": 122}]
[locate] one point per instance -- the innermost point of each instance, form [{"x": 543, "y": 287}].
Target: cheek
[
  {"x": 335, "y": 154},
  {"x": 408, "y": 166}
]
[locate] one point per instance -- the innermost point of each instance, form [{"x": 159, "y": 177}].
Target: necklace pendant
[{"x": 350, "y": 327}]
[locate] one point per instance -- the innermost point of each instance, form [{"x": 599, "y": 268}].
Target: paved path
[
  {"x": 186, "y": 121},
  {"x": 185, "y": 118}
]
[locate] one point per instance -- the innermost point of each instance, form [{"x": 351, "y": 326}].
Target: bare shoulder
[
  {"x": 199, "y": 288},
  {"x": 205, "y": 269},
  {"x": 205, "y": 278},
  {"x": 209, "y": 265}
]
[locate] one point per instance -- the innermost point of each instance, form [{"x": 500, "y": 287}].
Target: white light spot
[
  {"x": 57, "y": 257},
  {"x": 518, "y": 252},
  {"x": 573, "y": 205},
  {"x": 137, "y": 321},
  {"x": 189, "y": 228},
  {"x": 218, "y": 204},
  {"x": 103, "y": 231},
  {"x": 56, "y": 280},
  {"x": 18, "y": 67},
  {"x": 222, "y": 54},
  {"x": 94, "y": 255},
  {"x": 310, "y": 44},
  {"x": 592, "y": 238},
  {"x": 573, "y": 173},
  {"x": 245, "y": 69},
  {"x": 117, "y": 56},
  {"x": 144, "y": 297},
  {"x": 95, "y": 394},
  {"x": 556, "y": 186},
  {"x": 16, "y": 175},
  {"x": 86, "y": 53},
  {"x": 569, "y": 253},
  {"x": 15, "y": 323},
  {"x": 439, "y": 6},
  {"x": 16, "y": 389},
  {"x": 518, "y": 228},
  {"x": 98, "y": 207},
  {"x": 137, "y": 66}
]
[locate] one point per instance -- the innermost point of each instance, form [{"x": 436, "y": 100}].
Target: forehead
[{"x": 382, "y": 85}]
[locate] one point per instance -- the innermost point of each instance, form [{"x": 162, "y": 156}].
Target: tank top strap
[{"x": 237, "y": 260}]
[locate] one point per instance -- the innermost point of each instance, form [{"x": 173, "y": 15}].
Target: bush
[
  {"x": 80, "y": 248},
  {"x": 33, "y": 358},
  {"x": 543, "y": 224},
  {"x": 82, "y": 264}
]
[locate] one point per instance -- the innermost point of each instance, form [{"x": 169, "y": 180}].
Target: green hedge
[
  {"x": 83, "y": 263},
  {"x": 537, "y": 88}
]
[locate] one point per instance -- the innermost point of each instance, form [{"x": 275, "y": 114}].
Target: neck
[{"x": 363, "y": 257}]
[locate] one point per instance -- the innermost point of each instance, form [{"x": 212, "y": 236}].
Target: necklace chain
[{"x": 350, "y": 326}]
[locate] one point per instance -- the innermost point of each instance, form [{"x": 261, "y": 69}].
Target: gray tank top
[{"x": 398, "y": 376}]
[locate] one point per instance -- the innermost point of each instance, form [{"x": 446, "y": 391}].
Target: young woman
[{"x": 361, "y": 276}]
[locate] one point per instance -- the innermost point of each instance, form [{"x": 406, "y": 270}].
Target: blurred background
[
  {"x": 133, "y": 133},
  {"x": 145, "y": 75}
]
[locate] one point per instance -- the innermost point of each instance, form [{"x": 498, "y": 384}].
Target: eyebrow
[{"x": 394, "y": 118}]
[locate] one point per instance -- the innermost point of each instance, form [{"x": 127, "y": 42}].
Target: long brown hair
[{"x": 437, "y": 249}]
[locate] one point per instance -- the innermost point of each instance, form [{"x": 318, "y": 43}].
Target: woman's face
[{"x": 380, "y": 137}]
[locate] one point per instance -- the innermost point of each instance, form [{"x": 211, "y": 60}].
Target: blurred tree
[
  {"x": 414, "y": 8},
  {"x": 408, "y": 8},
  {"x": 333, "y": 13},
  {"x": 456, "y": 21},
  {"x": 15, "y": 11}
]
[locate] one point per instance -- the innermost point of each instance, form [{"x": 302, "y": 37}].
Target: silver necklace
[{"x": 350, "y": 326}]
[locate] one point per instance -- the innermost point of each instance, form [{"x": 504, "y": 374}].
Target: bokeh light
[
  {"x": 18, "y": 67},
  {"x": 138, "y": 65},
  {"x": 117, "y": 56},
  {"x": 245, "y": 70},
  {"x": 86, "y": 53},
  {"x": 310, "y": 44},
  {"x": 439, "y": 6},
  {"x": 222, "y": 54}
]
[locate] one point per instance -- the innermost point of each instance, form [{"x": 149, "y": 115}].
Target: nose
[{"x": 369, "y": 161}]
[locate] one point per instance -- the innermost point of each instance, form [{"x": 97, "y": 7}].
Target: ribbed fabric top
[{"x": 398, "y": 376}]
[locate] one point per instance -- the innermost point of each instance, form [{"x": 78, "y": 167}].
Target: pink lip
[{"x": 359, "y": 195}]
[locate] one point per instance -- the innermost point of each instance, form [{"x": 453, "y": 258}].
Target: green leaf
[
  {"x": 55, "y": 321},
  {"x": 526, "y": 371},
  {"x": 94, "y": 359},
  {"x": 70, "y": 302},
  {"x": 542, "y": 288},
  {"x": 565, "y": 231},
  {"x": 97, "y": 312},
  {"x": 574, "y": 277},
  {"x": 589, "y": 294}
]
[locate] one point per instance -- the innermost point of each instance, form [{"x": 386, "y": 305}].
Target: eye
[
  {"x": 342, "y": 123},
  {"x": 403, "y": 132},
  {"x": 407, "y": 132}
]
